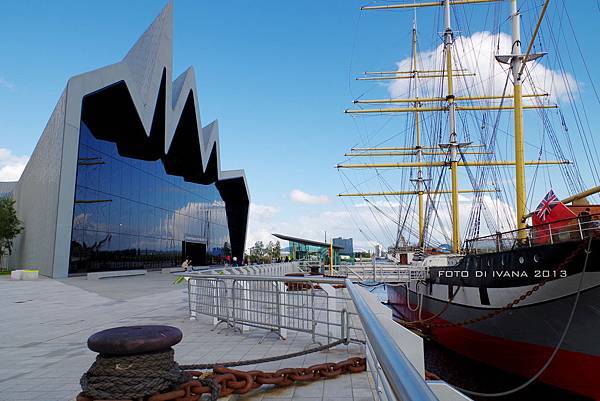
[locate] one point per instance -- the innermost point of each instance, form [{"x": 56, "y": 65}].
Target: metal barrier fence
[
  {"x": 271, "y": 269},
  {"x": 276, "y": 304},
  {"x": 381, "y": 272},
  {"x": 313, "y": 306},
  {"x": 308, "y": 266}
]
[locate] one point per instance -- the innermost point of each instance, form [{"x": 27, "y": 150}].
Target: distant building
[
  {"x": 378, "y": 251},
  {"x": 346, "y": 247},
  {"x": 124, "y": 175},
  {"x": 310, "y": 250}
]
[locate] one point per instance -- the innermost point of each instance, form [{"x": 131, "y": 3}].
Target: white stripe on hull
[{"x": 500, "y": 297}]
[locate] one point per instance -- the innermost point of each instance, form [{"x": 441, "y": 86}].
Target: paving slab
[{"x": 45, "y": 324}]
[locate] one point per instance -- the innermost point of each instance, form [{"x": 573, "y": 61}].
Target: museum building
[{"x": 125, "y": 176}]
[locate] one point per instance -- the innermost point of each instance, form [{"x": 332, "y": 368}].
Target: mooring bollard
[
  {"x": 133, "y": 362},
  {"x": 137, "y": 364}
]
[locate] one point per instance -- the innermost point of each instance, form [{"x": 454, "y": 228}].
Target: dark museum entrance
[{"x": 196, "y": 251}]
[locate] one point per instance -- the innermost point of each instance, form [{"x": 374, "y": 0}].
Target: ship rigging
[
  {"x": 479, "y": 159},
  {"x": 520, "y": 296}
]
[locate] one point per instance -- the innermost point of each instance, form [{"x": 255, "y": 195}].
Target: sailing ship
[{"x": 524, "y": 299}]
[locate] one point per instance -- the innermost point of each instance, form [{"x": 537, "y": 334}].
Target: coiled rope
[{"x": 132, "y": 376}]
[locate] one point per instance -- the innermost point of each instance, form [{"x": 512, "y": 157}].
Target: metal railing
[
  {"x": 565, "y": 230},
  {"x": 391, "y": 369},
  {"x": 277, "y": 304},
  {"x": 270, "y": 269},
  {"x": 380, "y": 272},
  {"x": 308, "y": 266},
  {"x": 310, "y": 305}
]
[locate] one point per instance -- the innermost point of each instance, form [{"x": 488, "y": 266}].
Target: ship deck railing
[
  {"x": 565, "y": 230},
  {"x": 372, "y": 271},
  {"x": 328, "y": 309},
  {"x": 378, "y": 272}
]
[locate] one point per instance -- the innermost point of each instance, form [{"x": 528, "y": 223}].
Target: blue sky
[{"x": 275, "y": 74}]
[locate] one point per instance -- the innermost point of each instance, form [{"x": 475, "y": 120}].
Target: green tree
[
  {"x": 10, "y": 225},
  {"x": 257, "y": 252},
  {"x": 276, "y": 250},
  {"x": 272, "y": 251},
  {"x": 269, "y": 251}
]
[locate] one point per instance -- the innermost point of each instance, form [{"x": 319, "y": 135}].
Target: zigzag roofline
[
  {"x": 141, "y": 70},
  {"x": 45, "y": 192}
]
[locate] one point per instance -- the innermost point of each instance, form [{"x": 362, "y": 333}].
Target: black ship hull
[{"x": 510, "y": 309}]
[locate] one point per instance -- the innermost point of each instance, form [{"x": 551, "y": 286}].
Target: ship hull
[{"x": 519, "y": 339}]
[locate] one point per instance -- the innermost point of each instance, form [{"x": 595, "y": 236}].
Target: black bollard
[
  {"x": 131, "y": 340},
  {"x": 134, "y": 362}
]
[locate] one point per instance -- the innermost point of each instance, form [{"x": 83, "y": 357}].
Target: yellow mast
[
  {"x": 397, "y": 193},
  {"x": 456, "y": 108},
  {"x": 412, "y": 148},
  {"x": 517, "y": 62},
  {"x": 419, "y": 150},
  {"x": 474, "y": 163},
  {"x": 441, "y": 99},
  {"x": 518, "y": 121},
  {"x": 453, "y": 145}
]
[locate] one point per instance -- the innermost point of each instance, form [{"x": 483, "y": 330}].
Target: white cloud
[
  {"x": 261, "y": 224},
  {"x": 7, "y": 84},
  {"x": 476, "y": 55},
  {"x": 365, "y": 222},
  {"x": 299, "y": 196},
  {"x": 265, "y": 220},
  {"x": 378, "y": 220},
  {"x": 11, "y": 166},
  {"x": 262, "y": 212}
]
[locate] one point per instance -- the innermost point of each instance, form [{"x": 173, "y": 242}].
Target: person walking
[{"x": 187, "y": 264}]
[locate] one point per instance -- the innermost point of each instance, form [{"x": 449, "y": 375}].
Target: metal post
[
  {"x": 192, "y": 310},
  {"x": 312, "y": 311},
  {"x": 331, "y": 258},
  {"x": 279, "y": 311},
  {"x": 217, "y": 304},
  {"x": 580, "y": 230},
  {"x": 232, "y": 302}
]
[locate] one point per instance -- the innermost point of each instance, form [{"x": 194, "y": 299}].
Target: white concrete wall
[
  {"x": 410, "y": 343},
  {"x": 36, "y": 197}
]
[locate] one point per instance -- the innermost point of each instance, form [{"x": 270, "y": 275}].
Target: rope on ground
[{"x": 204, "y": 366}]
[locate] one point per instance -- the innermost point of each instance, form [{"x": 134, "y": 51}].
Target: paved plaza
[{"x": 44, "y": 326}]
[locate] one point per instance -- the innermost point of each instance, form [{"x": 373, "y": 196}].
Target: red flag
[{"x": 550, "y": 217}]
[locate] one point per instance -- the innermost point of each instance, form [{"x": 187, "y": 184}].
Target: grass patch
[{"x": 4, "y": 272}]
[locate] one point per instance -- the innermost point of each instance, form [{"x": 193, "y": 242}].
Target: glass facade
[
  {"x": 131, "y": 214},
  {"x": 315, "y": 253}
]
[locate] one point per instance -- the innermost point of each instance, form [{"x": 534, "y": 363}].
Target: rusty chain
[{"x": 225, "y": 381}]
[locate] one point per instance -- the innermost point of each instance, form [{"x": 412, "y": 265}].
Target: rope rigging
[{"x": 486, "y": 214}]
